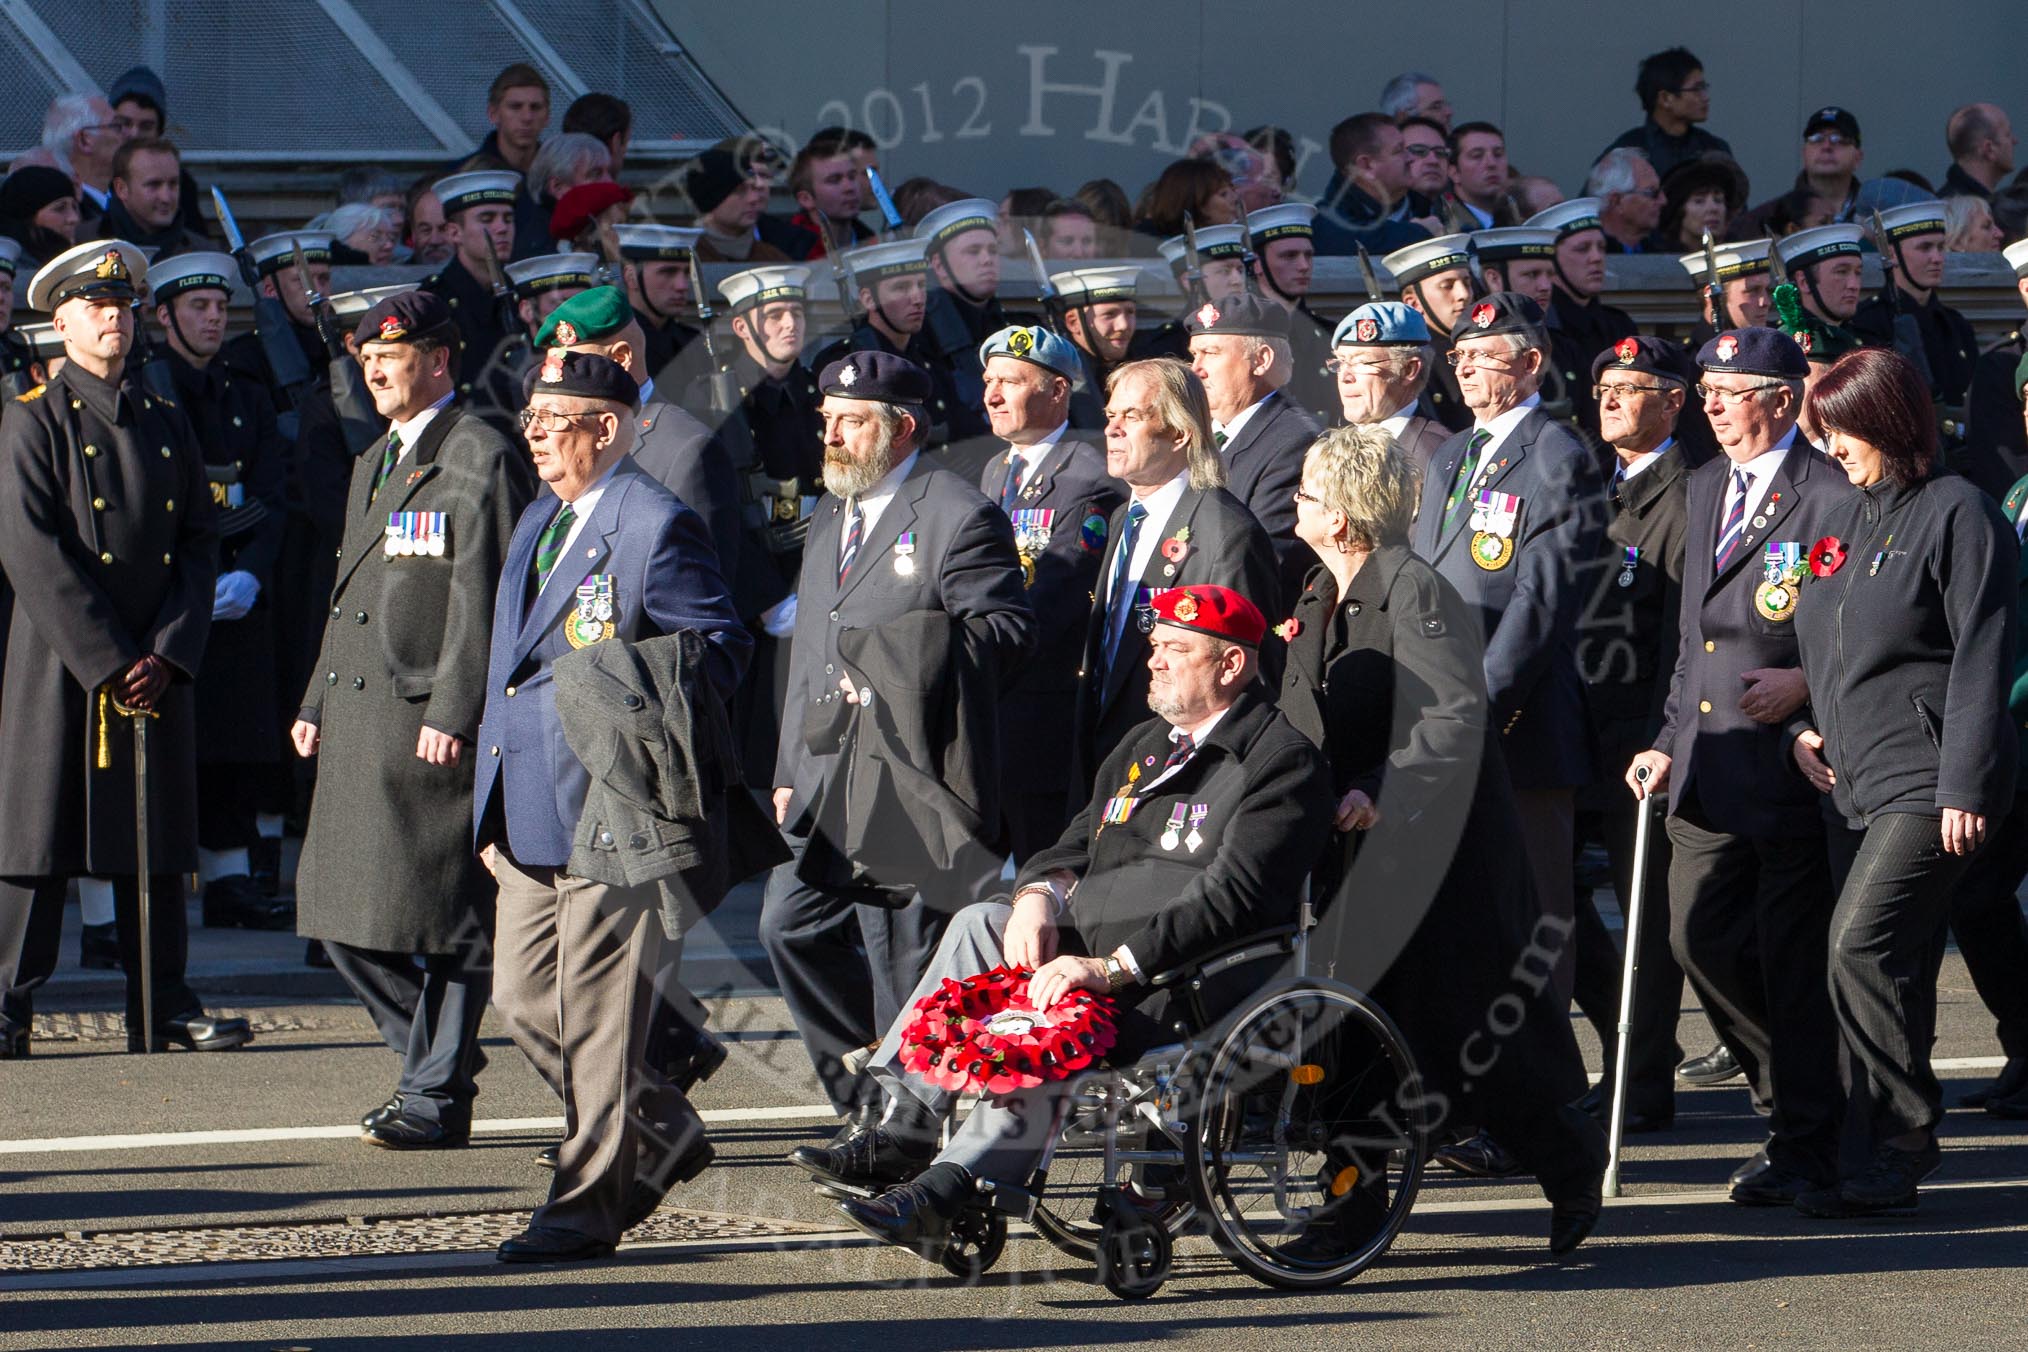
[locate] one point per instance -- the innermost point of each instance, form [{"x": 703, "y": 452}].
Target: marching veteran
[
  {"x": 605, "y": 554},
  {"x": 1200, "y": 828}
]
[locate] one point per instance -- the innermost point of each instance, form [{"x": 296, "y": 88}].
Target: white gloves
[{"x": 234, "y": 595}]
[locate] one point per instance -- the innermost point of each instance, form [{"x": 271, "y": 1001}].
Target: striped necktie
[
  {"x": 389, "y": 457},
  {"x": 1467, "y": 469},
  {"x": 1010, "y": 492},
  {"x": 549, "y": 545},
  {"x": 1185, "y": 748},
  {"x": 1120, "y": 594},
  {"x": 1735, "y": 518},
  {"x": 1219, "y": 437},
  {"x": 855, "y": 526}
]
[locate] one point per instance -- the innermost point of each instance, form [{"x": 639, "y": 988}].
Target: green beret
[{"x": 588, "y": 317}]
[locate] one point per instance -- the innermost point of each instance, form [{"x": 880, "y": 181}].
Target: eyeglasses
[
  {"x": 1830, "y": 138},
  {"x": 1619, "y": 391},
  {"x": 1497, "y": 360},
  {"x": 1415, "y": 152},
  {"x": 550, "y": 421},
  {"x": 1732, "y": 398},
  {"x": 1335, "y": 365},
  {"x": 1701, "y": 87}
]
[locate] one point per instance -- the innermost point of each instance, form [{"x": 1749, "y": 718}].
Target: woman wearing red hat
[{"x": 1426, "y": 896}]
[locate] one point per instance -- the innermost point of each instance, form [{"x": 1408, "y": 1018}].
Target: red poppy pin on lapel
[{"x": 1827, "y": 556}]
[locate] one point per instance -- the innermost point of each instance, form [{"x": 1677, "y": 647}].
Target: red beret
[
  {"x": 1220, "y": 611},
  {"x": 575, "y": 209}
]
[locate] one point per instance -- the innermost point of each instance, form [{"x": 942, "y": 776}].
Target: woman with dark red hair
[{"x": 1906, "y": 630}]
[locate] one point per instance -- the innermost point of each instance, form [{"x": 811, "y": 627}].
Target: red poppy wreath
[{"x": 981, "y": 1034}]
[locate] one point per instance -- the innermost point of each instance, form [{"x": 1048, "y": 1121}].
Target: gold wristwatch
[{"x": 1116, "y": 972}]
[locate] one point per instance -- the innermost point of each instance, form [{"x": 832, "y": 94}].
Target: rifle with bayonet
[
  {"x": 1366, "y": 275},
  {"x": 1045, "y": 290},
  {"x": 286, "y": 362},
  {"x": 841, "y": 276},
  {"x": 885, "y": 201},
  {"x": 506, "y": 312},
  {"x": 1247, "y": 258},
  {"x": 612, "y": 269},
  {"x": 724, "y": 390},
  {"x": 359, "y": 423},
  {"x": 1193, "y": 266},
  {"x": 1714, "y": 290}
]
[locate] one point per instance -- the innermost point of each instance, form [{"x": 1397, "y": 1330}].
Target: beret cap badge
[
  {"x": 566, "y": 334},
  {"x": 1021, "y": 342},
  {"x": 1207, "y": 316},
  {"x": 1727, "y": 347},
  {"x": 552, "y": 367},
  {"x": 1626, "y": 350},
  {"x": 112, "y": 267},
  {"x": 1483, "y": 314},
  {"x": 1366, "y": 330},
  {"x": 848, "y": 376}
]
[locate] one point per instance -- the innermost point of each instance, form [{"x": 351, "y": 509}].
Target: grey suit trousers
[{"x": 576, "y": 966}]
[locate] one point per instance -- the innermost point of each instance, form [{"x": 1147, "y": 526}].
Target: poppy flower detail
[
  {"x": 982, "y": 1035},
  {"x": 1827, "y": 556}
]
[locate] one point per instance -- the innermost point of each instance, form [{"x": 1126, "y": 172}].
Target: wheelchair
[{"x": 1291, "y": 1132}]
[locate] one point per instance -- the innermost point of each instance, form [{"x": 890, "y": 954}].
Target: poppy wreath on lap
[{"x": 981, "y": 1034}]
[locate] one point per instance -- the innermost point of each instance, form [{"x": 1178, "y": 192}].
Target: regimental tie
[
  {"x": 1120, "y": 592},
  {"x": 855, "y": 526},
  {"x": 1185, "y": 748},
  {"x": 389, "y": 457},
  {"x": 1467, "y": 468},
  {"x": 1735, "y": 518},
  {"x": 549, "y": 545},
  {"x": 1010, "y": 492},
  {"x": 1219, "y": 438}
]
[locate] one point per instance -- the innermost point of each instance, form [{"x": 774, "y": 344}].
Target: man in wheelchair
[{"x": 1201, "y": 829}]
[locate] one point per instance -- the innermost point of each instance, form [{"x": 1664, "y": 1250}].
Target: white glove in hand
[{"x": 234, "y": 595}]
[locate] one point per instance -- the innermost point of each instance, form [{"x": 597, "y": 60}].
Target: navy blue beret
[
  {"x": 1755, "y": 352},
  {"x": 582, "y": 375},
  {"x": 1502, "y": 312},
  {"x": 1243, "y": 314},
  {"x": 1646, "y": 356},
  {"x": 881, "y": 377},
  {"x": 404, "y": 318}
]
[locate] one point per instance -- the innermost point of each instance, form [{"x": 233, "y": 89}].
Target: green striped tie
[
  {"x": 388, "y": 458},
  {"x": 1468, "y": 467},
  {"x": 549, "y": 547}
]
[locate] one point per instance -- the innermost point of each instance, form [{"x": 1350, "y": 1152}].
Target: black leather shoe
[
  {"x": 404, "y": 1131},
  {"x": 863, "y": 1118},
  {"x": 649, "y": 1191},
  {"x": 694, "y": 1061},
  {"x": 914, "y": 1216},
  {"x": 873, "y": 1158},
  {"x": 197, "y": 1032},
  {"x": 264, "y": 864},
  {"x": 380, "y": 1114},
  {"x": 546, "y": 1157},
  {"x": 1887, "y": 1185},
  {"x": 547, "y": 1244},
  {"x": 1770, "y": 1184},
  {"x": 1480, "y": 1156},
  {"x": 14, "y": 1044},
  {"x": 2011, "y": 1082},
  {"x": 1714, "y": 1067},
  {"x": 98, "y": 948},
  {"x": 315, "y": 956},
  {"x": 1569, "y": 1225},
  {"x": 238, "y": 902}
]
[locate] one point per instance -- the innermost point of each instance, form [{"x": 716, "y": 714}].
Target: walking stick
[
  {"x": 145, "y": 919},
  {"x": 1632, "y": 966}
]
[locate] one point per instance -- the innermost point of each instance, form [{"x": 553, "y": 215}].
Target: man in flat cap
[
  {"x": 388, "y": 880},
  {"x": 1626, "y": 652},
  {"x": 1750, "y": 891},
  {"x": 910, "y": 584},
  {"x": 479, "y": 212},
  {"x": 962, "y": 240},
  {"x": 1053, "y": 486},
  {"x": 1580, "y": 324},
  {"x": 1381, "y": 358},
  {"x": 238, "y": 720},
  {"x": 1240, "y": 349},
  {"x": 603, "y": 555},
  {"x": 1911, "y": 318},
  {"x": 108, "y": 534},
  {"x": 1439, "y": 279}
]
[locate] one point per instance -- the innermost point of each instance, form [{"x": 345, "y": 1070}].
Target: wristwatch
[{"x": 1116, "y": 972}]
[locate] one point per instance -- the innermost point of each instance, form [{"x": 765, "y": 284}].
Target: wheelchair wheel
[
  {"x": 1308, "y": 1144},
  {"x": 1133, "y": 1257},
  {"x": 1067, "y": 1211},
  {"x": 978, "y": 1237}
]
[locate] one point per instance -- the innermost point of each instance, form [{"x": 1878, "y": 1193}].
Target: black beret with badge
[
  {"x": 407, "y": 317},
  {"x": 1503, "y": 312},
  {"x": 582, "y": 375},
  {"x": 881, "y": 377},
  {"x": 1755, "y": 352},
  {"x": 1642, "y": 355},
  {"x": 1241, "y": 314}
]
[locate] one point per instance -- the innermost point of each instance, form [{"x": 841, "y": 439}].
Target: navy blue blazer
[
  {"x": 530, "y": 787},
  {"x": 1529, "y": 604}
]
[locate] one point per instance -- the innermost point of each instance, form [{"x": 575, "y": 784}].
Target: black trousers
[
  {"x": 1652, "y": 1049},
  {"x": 1749, "y": 922},
  {"x": 228, "y": 799},
  {"x": 845, "y": 967},
  {"x": 428, "y": 1011},
  {"x": 1886, "y": 944},
  {"x": 31, "y": 930},
  {"x": 1991, "y": 933}
]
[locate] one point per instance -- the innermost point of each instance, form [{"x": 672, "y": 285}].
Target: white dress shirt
[
  {"x": 1245, "y": 415},
  {"x": 411, "y": 431},
  {"x": 1760, "y": 473},
  {"x": 1031, "y": 457},
  {"x": 582, "y": 506},
  {"x": 1160, "y": 506},
  {"x": 874, "y": 501}
]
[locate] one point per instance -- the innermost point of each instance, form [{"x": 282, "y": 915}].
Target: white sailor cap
[
  {"x": 1096, "y": 286},
  {"x": 875, "y": 263},
  {"x": 1735, "y": 259},
  {"x": 656, "y": 243},
  {"x": 552, "y": 272},
  {"x": 272, "y": 253},
  {"x": 1917, "y": 218},
  {"x": 2016, "y": 255},
  {"x": 745, "y": 289},
  {"x": 1505, "y": 243},
  {"x": 1428, "y": 257},
  {"x": 352, "y": 304},
  {"x": 1806, "y": 248},
  {"x": 192, "y": 272},
  {"x": 98, "y": 267},
  {"x": 1568, "y": 218},
  {"x": 1284, "y": 220},
  {"x": 41, "y": 339},
  {"x": 10, "y": 254},
  {"x": 1213, "y": 242},
  {"x": 952, "y": 219},
  {"x": 475, "y": 189}
]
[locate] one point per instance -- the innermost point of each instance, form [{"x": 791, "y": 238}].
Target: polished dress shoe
[
  {"x": 1714, "y": 1067},
  {"x": 694, "y": 1060},
  {"x": 1569, "y": 1225},
  {"x": 547, "y": 1244},
  {"x": 649, "y": 1191},
  {"x": 407, "y": 1131},
  {"x": 915, "y": 1216},
  {"x": 1480, "y": 1156},
  {"x": 13, "y": 1044},
  {"x": 98, "y": 947},
  {"x": 873, "y": 1158},
  {"x": 381, "y": 1114},
  {"x": 2011, "y": 1082},
  {"x": 546, "y": 1157},
  {"x": 1769, "y": 1184},
  {"x": 862, "y": 1118},
  {"x": 1886, "y": 1185},
  {"x": 197, "y": 1032},
  {"x": 238, "y": 903}
]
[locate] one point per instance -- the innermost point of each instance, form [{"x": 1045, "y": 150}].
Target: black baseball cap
[{"x": 1834, "y": 119}]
